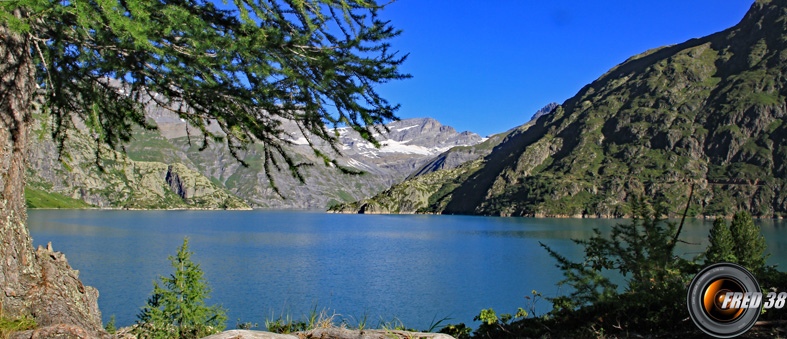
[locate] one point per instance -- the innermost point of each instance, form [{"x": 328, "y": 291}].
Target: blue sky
[{"x": 486, "y": 66}]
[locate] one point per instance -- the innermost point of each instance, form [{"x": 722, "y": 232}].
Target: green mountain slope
[
  {"x": 131, "y": 179},
  {"x": 38, "y": 198},
  {"x": 708, "y": 112},
  {"x": 76, "y": 180},
  {"x": 324, "y": 185},
  {"x": 426, "y": 189},
  {"x": 405, "y": 146},
  {"x": 415, "y": 195}
]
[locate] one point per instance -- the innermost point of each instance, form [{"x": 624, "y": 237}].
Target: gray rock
[
  {"x": 60, "y": 331},
  {"x": 246, "y": 334},
  {"x": 343, "y": 333},
  {"x": 545, "y": 110},
  {"x": 120, "y": 181},
  {"x": 167, "y": 169},
  {"x": 328, "y": 333}
]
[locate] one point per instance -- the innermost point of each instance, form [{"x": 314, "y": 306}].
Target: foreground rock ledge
[
  {"x": 329, "y": 333},
  {"x": 60, "y": 331}
]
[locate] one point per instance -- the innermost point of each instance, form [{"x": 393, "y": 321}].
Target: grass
[
  {"x": 9, "y": 325},
  {"x": 332, "y": 203},
  {"x": 346, "y": 197},
  {"x": 286, "y": 323},
  {"x": 36, "y": 198},
  {"x": 151, "y": 146},
  {"x": 315, "y": 319}
]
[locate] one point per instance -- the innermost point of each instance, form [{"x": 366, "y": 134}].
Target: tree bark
[
  {"x": 38, "y": 283},
  {"x": 17, "y": 85}
]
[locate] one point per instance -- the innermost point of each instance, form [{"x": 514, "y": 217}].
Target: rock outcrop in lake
[{"x": 709, "y": 112}]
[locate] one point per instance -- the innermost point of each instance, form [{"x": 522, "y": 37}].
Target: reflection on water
[{"x": 264, "y": 263}]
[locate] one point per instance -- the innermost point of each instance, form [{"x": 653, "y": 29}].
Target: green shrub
[
  {"x": 178, "y": 309},
  {"x": 653, "y": 294},
  {"x": 721, "y": 247},
  {"x": 458, "y": 331},
  {"x": 743, "y": 243},
  {"x": 110, "y": 326},
  {"x": 749, "y": 244},
  {"x": 652, "y": 298}
]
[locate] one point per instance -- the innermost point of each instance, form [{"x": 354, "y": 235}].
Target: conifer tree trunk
[
  {"x": 38, "y": 283},
  {"x": 17, "y": 85}
]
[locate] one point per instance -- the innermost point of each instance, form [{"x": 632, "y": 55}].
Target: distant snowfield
[
  {"x": 352, "y": 144},
  {"x": 393, "y": 146},
  {"x": 359, "y": 165},
  {"x": 404, "y": 128},
  {"x": 300, "y": 141}
]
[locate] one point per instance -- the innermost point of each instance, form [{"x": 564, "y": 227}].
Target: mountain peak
[
  {"x": 544, "y": 110},
  {"x": 708, "y": 114},
  {"x": 424, "y": 136}
]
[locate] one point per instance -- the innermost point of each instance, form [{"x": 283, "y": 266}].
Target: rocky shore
[
  {"x": 331, "y": 332},
  {"x": 74, "y": 332}
]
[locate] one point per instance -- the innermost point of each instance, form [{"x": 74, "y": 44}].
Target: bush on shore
[
  {"x": 652, "y": 298},
  {"x": 177, "y": 309}
]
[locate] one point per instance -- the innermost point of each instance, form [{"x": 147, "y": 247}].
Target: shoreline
[
  {"x": 534, "y": 216},
  {"x": 561, "y": 216},
  {"x": 141, "y": 209}
]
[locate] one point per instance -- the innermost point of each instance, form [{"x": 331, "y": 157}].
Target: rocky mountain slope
[
  {"x": 708, "y": 112},
  {"x": 116, "y": 180},
  {"x": 434, "y": 179},
  {"x": 406, "y": 146},
  {"x": 545, "y": 110},
  {"x": 163, "y": 169},
  {"x": 457, "y": 156}
]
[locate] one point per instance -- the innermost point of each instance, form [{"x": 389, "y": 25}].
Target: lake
[{"x": 262, "y": 264}]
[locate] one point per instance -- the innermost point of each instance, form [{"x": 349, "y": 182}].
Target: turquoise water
[{"x": 261, "y": 264}]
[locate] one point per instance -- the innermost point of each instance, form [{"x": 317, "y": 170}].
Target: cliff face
[
  {"x": 709, "y": 111},
  {"x": 165, "y": 168},
  {"x": 404, "y": 147},
  {"x": 115, "y": 180}
]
